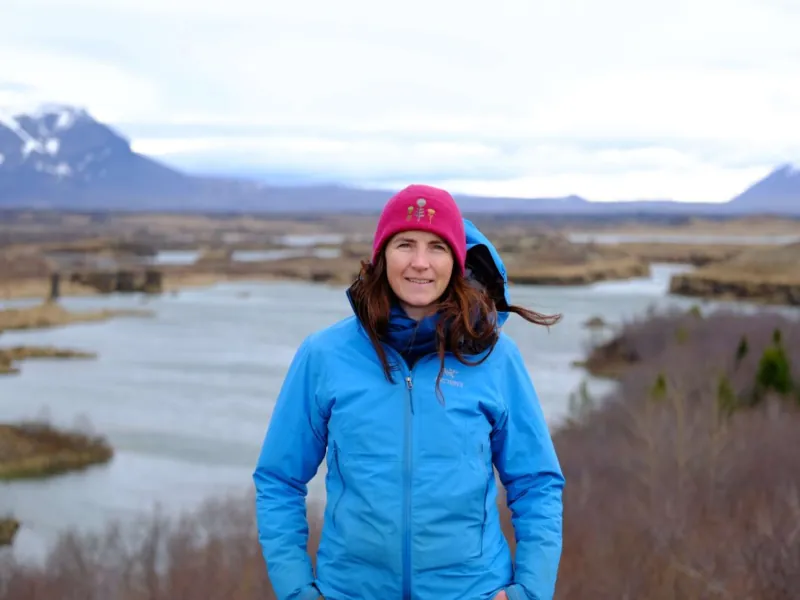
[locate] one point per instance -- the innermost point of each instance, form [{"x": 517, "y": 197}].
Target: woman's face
[{"x": 418, "y": 265}]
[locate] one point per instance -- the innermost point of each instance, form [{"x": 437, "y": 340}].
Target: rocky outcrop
[
  {"x": 764, "y": 275},
  {"x": 580, "y": 274}
]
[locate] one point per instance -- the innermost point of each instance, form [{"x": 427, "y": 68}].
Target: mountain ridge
[{"x": 60, "y": 157}]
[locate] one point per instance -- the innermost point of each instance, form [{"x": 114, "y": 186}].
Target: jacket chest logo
[{"x": 449, "y": 378}]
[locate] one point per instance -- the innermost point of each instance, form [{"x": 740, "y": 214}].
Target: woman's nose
[{"x": 420, "y": 259}]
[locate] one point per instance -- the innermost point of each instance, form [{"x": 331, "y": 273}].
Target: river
[{"x": 185, "y": 396}]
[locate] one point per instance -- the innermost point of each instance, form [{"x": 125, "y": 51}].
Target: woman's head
[
  {"x": 419, "y": 261},
  {"x": 419, "y": 266},
  {"x": 420, "y": 235}
]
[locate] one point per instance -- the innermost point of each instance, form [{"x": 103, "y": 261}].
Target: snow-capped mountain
[
  {"x": 57, "y": 140},
  {"x": 61, "y": 151},
  {"x": 777, "y": 192},
  {"x": 61, "y": 157}
]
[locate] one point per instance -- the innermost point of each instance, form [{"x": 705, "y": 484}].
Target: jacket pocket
[
  {"x": 340, "y": 475},
  {"x": 451, "y": 516},
  {"x": 488, "y": 474}
]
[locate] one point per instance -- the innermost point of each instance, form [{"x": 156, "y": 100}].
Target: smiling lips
[{"x": 419, "y": 281}]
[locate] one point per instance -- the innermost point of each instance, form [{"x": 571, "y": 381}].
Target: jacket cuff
[
  {"x": 309, "y": 592},
  {"x": 516, "y": 592}
]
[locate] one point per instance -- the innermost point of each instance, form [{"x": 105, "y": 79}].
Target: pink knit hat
[{"x": 423, "y": 208}]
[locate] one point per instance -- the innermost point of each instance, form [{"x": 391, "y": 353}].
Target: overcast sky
[{"x": 619, "y": 99}]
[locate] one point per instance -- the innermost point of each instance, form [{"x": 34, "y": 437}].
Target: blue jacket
[{"x": 411, "y": 498}]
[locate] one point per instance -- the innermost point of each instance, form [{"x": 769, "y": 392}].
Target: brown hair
[{"x": 468, "y": 315}]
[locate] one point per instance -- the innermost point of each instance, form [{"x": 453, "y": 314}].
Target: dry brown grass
[
  {"x": 14, "y": 354},
  {"x": 39, "y": 288},
  {"x": 693, "y": 254},
  {"x": 769, "y": 275},
  {"x": 8, "y": 530},
  {"x": 683, "y": 485},
  {"x": 52, "y": 314},
  {"x": 755, "y": 225},
  {"x": 32, "y": 450},
  {"x": 535, "y": 273}
]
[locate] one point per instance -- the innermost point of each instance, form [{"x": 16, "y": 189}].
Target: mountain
[
  {"x": 61, "y": 153},
  {"x": 60, "y": 157},
  {"x": 778, "y": 192}
]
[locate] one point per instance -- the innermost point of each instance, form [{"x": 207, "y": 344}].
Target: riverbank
[{"x": 662, "y": 485}]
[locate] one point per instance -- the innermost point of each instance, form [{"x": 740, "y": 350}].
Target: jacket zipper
[
  {"x": 407, "y": 492},
  {"x": 407, "y": 469},
  {"x": 485, "y": 494}
]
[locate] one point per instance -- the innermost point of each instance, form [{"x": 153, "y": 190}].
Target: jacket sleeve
[
  {"x": 293, "y": 449},
  {"x": 528, "y": 467}
]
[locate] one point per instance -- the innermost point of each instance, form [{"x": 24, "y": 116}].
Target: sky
[{"x": 691, "y": 100}]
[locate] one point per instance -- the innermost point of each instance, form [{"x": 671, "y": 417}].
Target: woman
[{"x": 414, "y": 398}]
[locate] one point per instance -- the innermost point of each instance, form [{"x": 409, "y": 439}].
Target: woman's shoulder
[
  {"x": 505, "y": 349},
  {"x": 493, "y": 363},
  {"x": 344, "y": 331}
]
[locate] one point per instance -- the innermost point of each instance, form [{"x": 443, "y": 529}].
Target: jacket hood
[{"x": 485, "y": 267}]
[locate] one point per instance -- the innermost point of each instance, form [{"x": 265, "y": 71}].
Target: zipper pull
[{"x": 409, "y": 385}]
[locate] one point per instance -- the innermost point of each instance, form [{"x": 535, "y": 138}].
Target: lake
[{"x": 185, "y": 396}]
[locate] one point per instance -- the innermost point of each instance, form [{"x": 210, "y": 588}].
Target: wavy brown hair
[{"x": 467, "y": 315}]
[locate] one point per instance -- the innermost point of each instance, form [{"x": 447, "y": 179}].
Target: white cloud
[
  {"x": 537, "y": 170},
  {"x": 109, "y": 90},
  {"x": 619, "y": 99},
  {"x": 699, "y": 183}
]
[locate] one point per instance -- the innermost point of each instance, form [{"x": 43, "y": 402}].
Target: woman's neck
[{"x": 418, "y": 312}]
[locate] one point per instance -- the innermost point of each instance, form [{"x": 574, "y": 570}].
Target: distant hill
[
  {"x": 778, "y": 192},
  {"x": 60, "y": 157}
]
